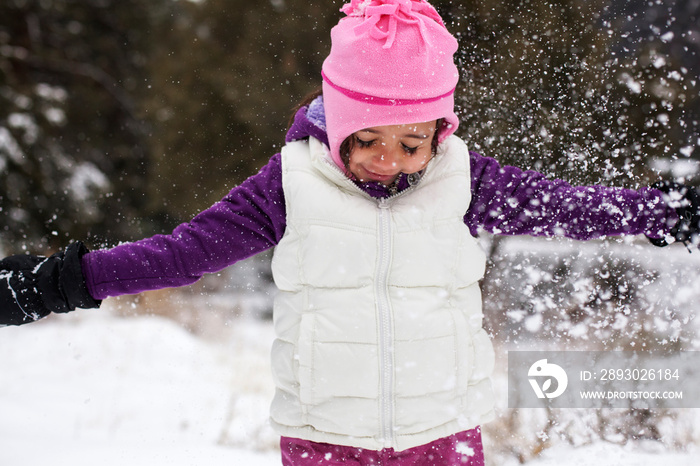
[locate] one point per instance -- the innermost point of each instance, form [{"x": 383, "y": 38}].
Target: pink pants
[{"x": 464, "y": 449}]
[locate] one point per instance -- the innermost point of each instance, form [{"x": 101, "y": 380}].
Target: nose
[{"x": 387, "y": 159}]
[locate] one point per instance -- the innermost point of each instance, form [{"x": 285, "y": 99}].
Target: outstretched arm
[
  {"x": 249, "y": 220},
  {"x": 510, "y": 201}
]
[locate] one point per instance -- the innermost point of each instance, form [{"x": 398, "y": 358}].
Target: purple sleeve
[
  {"x": 249, "y": 220},
  {"x": 510, "y": 201}
]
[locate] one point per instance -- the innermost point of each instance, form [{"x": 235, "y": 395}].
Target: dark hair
[{"x": 305, "y": 102}]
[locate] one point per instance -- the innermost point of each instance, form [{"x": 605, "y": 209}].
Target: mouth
[{"x": 380, "y": 177}]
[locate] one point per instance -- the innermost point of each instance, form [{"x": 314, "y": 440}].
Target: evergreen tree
[{"x": 72, "y": 153}]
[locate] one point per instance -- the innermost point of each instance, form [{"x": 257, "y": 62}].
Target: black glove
[
  {"x": 686, "y": 201},
  {"x": 32, "y": 287}
]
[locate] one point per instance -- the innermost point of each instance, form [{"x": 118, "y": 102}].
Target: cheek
[
  {"x": 355, "y": 160},
  {"x": 415, "y": 163}
]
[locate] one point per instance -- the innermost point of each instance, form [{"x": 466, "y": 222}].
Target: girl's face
[{"x": 381, "y": 153}]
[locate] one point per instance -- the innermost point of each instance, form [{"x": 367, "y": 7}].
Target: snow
[
  {"x": 84, "y": 180},
  {"x": 98, "y": 387},
  {"x": 602, "y": 454},
  {"x": 94, "y": 388},
  {"x": 9, "y": 146}
]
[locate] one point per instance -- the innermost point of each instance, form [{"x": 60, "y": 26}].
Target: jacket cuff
[{"x": 72, "y": 280}]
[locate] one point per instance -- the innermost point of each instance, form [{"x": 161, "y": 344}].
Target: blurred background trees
[
  {"x": 119, "y": 119},
  {"x": 226, "y": 75},
  {"x": 592, "y": 91},
  {"x": 74, "y": 152}
]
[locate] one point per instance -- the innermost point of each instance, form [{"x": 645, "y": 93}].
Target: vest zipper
[
  {"x": 385, "y": 313},
  {"x": 386, "y": 327}
]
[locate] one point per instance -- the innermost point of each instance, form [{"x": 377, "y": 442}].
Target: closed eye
[
  {"x": 409, "y": 150},
  {"x": 363, "y": 143}
]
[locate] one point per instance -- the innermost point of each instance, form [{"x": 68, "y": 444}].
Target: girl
[{"x": 380, "y": 356}]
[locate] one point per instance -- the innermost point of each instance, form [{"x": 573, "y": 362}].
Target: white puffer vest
[{"x": 378, "y": 320}]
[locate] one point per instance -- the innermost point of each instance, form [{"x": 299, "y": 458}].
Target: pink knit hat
[{"x": 390, "y": 63}]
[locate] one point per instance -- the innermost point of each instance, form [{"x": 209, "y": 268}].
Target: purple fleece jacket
[{"x": 252, "y": 219}]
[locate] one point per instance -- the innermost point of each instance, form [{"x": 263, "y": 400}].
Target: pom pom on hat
[{"x": 391, "y": 62}]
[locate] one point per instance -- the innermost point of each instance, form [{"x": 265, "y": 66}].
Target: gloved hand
[
  {"x": 686, "y": 201},
  {"x": 31, "y": 287}
]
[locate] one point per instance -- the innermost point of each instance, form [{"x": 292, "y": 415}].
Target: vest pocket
[{"x": 331, "y": 369}]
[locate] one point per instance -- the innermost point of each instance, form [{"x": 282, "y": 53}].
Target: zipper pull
[{"x": 394, "y": 187}]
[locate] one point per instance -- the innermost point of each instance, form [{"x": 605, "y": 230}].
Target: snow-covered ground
[
  {"x": 94, "y": 388},
  {"x": 97, "y": 387},
  {"x": 607, "y": 454}
]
